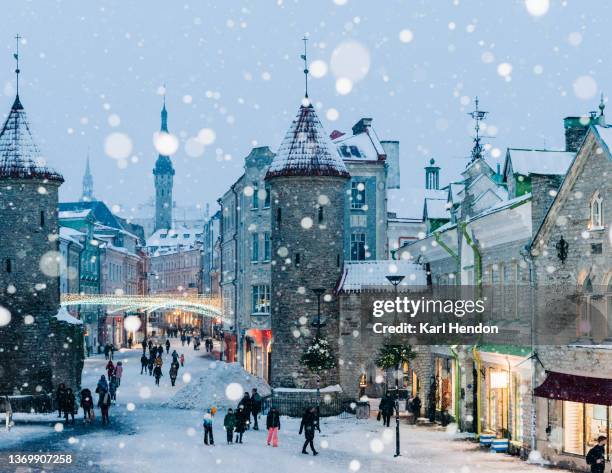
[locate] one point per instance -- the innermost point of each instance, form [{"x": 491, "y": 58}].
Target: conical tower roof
[
  {"x": 306, "y": 149},
  {"x": 19, "y": 155}
]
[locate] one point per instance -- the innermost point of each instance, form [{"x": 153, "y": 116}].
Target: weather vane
[
  {"x": 304, "y": 57},
  {"x": 16, "y": 56},
  {"x": 478, "y": 116}
]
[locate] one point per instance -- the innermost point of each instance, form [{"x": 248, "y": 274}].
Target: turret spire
[
  {"x": 305, "y": 58},
  {"x": 16, "y": 56}
]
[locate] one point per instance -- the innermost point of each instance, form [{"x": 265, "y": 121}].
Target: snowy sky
[{"x": 234, "y": 67}]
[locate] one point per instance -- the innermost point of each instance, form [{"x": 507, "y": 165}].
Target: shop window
[{"x": 582, "y": 424}]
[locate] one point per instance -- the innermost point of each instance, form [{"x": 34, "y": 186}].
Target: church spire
[
  {"x": 87, "y": 195},
  {"x": 164, "y": 114},
  {"x": 478, "y": 116}
]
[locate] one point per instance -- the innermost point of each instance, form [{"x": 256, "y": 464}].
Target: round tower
[
  {"x": 29, "y": 258},
  {"x": 307, "y": 181}
]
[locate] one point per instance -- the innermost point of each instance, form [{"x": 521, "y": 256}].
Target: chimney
[
  {"x": 362, "y": 125},
  {"x": 576, "y": 129}
]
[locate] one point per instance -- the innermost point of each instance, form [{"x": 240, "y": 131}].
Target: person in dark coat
[
  {"x": 167, "y": 346},
  {"x": 229, "y": 422},
  {"x": 175, "y": 356},
  {"x": 173, "y": 373},
  {"x": 416, "y": 408},
  {"x": 106, "y": 351},
  {"x": 386, "y": 408},
  {"x": 60, "y": 398},
  {"x": 130, "y": 341},
  {"x": 150, "y": 364},
  {"x": 596, "y": 457},
  {"x": 245, "y": 402},
  {"x": 87, "y": 405},
  {"x": 104, "y": 403},
  {"x": 144, "y": 346},
  {"x": 309, "y": 423},
  {"x": 255, "y": 407},
  {"x": 70, "y": 405},
  {"x": 157, "y": 373},
  {"x": 110, "y": 369},
  {"x": 242, "y": 419},
  {"x": 273, "y": 426},
  {"x": 144, "y": 361}
]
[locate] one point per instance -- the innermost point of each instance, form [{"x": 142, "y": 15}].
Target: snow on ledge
[
  {"x": 64, "y": 316},
  {"x": 336, "y": 388}
]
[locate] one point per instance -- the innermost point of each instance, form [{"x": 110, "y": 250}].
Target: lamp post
[
  {"x": 396, "y": 280},
  {"x": 319, "y": 291}
]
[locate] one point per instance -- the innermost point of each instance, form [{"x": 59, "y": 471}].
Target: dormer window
[{"x": 596, "y": 220}]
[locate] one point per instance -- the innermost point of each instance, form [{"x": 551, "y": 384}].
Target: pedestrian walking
[
  {"x": 112, "y": 388},
  {"x": 106, "y": 352},
  {"x": 229, "y": 423},
  {"x": 104, "y": 403},
  {"x": 182, "y": 360},
  {"x": 144, "y": 346},
  {"x": 242, "y": 420},
  {"x": 175, "y": 356},
  {"x": 273, "y": 426},
  {"x": 207, "y": 423},
  {"x": 183, "y": 338},
  {"x": 157, "y": 373},
  {"x": 144, "y": 361},
  {"x": 167, "y": 346},
  {"x": 60, "y": 399},
  {"x": 112, "y": 351},
  {"x": 415, "y": 408},
  {"x": 119, "y": 372},
  {"x": 188, "y": 339},
  {"x": 173, "y": 372},
  {"x": 130, "y": 341},
  {"x": 596, "y": 457},
  {"x": 245, "y": 402},
  {"x": 70, "y": 405},
  {"x": 255, "y": 407},
  {"x": 110, "y": 369},
  {"x": 87, "y": 405},
  {"x": 309, "y": 424},
  {"x": 160, "y": 350},
  {"x": 150, "y": 364},
  {"x": 385, "y": 409}
]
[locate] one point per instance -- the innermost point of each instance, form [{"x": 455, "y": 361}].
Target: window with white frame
[
  {"x": 261, "y": 299},
  {"x": 267, "y": 248},
  {"x": 357, "y": 195},
  {"x": 596, "y": 212}
]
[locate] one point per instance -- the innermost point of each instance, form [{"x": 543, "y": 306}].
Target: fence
[{"x": 294, "y": 406}]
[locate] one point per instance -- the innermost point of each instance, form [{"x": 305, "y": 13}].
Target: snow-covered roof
[
  {"x": 456, "y": 192},
  {"x": 436, "y": 208},
  {"x": 306, "y": 149},
  {"x": 19, "y": 154},
  {"x": 538, "y": 161},
  {"x": 68, "y": 214},
  {"x": 72, "y": 235},
  {"x": 173, "y": 237},
  {"x": 605, "y": 133},
  {"x": 64, "y": 316},
  {"x": 362, "y": 275},
  {"x": 361, "y": 146},
  {"x": 504, "y": 204}
]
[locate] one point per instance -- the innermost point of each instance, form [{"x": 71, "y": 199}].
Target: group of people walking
[{"x": 154, "y": 363}]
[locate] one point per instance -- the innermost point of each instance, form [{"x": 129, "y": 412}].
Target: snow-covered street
[{"x": 145, "y": 435}]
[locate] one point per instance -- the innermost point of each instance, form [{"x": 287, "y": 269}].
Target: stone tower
[
  {"x": 307, "y": 180},
  {"x": 164, "y": 178},
  {"x": 29, "y": 260},
  {"x": 87, "y": 195}
]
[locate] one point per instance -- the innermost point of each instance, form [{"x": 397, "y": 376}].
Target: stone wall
[{"x": 66, "y": 353}]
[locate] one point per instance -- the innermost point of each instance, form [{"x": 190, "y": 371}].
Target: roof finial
[
  {"x": 478, "y": 116},
  {"x": 16, "y": 56},
  {"x": 305, "y": 58}
]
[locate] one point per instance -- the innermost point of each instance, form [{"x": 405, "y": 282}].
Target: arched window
[{"x": 596, "y": 220}]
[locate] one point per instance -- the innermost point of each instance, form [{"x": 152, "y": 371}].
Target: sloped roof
[
  {"x": 19, "y": 154},
  {"x": 360, "y": 146},
  {"x": 538, "y": 161},
  {"x": 306, "y": 149},
  {"x": 99, "y": 210},
  {"x": 173, "y": 237},
  {"x": 362, "y": 275},
  {"x": 436, "y": 208}
]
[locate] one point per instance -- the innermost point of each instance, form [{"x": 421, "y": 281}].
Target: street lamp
[{"x": 396, "y": 280}]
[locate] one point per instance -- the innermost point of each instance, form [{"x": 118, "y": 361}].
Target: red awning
[{"x": 569, "y": 387}]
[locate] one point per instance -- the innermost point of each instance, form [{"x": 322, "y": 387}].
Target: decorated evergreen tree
[
  {"x": 391, "y": 356},
  {"x": 317, "y": 356}
]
